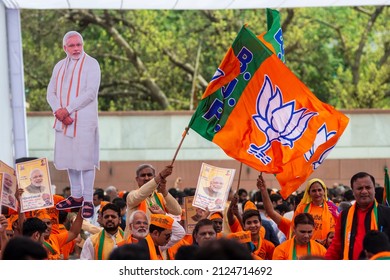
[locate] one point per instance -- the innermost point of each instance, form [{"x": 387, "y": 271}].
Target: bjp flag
[
  {"x": 273, "y": 38},
  {"x": 262, "y": 115}
]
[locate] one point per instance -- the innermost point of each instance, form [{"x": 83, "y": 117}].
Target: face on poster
[
  {"x": 34, "y": 178},
  {"x": 8, "y": 186},
  {"x": 213, "y": 187}
]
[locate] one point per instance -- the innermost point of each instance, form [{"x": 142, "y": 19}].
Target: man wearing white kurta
[{"x": 72, "y": 95}]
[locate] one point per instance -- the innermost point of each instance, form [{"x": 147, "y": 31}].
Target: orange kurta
[
  {"x": 285, "y": 250},
  {"x": 323, "y": 219}
]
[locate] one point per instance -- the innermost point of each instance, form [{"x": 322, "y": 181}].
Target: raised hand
[
  {"x": 166, "y": 171},
  {"x": 261, "y": 183}
]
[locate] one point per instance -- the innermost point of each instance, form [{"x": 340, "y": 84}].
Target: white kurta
[{"x": 82, "y": 151}]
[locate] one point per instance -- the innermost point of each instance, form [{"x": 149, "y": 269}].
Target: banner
[
  {"x": 262, "y": 115},
  {"x": 213, "y": 187},
  {"x": 34, "y": 178}
]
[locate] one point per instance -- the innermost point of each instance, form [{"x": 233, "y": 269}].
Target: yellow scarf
[
  {"x": 104, "y": 244},
  {"x": 348, "y": 226}
]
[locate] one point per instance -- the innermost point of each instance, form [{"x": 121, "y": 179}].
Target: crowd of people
[{"x": 148, "y": 223}]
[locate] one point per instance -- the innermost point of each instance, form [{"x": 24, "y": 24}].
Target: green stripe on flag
[
  {"x": 214, "y": 110},
  {"x": 274, "y": 35}
]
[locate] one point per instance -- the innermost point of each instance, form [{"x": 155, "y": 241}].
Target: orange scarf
[
  {"x": 327, "y": 219},
  {"x": 73, "y": 92},
  {"x": 158, "y": 199},
  {"x": 155, "y": 253},
  {"x": 348, "y": 226},
  {"x": 381, "y": 256}
]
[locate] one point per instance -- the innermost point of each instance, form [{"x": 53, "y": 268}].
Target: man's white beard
[{"x": 140, "y": 235}]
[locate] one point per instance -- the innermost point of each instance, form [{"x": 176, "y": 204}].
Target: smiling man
[
  {"x": 354, "y": 222},
  {"x": 36, "y": 179}
]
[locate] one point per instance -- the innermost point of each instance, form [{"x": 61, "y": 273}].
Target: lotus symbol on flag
[
  {"x": 322, "y": 137},
  {"x": 277, "y": 120}
]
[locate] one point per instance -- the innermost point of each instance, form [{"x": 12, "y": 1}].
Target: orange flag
[{"x": 261, "y": 114}]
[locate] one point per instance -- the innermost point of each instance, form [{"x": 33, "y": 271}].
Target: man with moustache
[
  {"x": 151, "y": 192},
  {"x": 160, "y": 232},
  {"x": 36, "y": 179},
  {"x": 358, "y": 219},
  {"x": 72, "y": 95},
  {"x": 139, "y": 227},
  {"x": 100, "y": 245}
]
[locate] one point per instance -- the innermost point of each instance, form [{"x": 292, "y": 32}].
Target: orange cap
[
  {"x": 241, "y": 236},
  {"x": 161, "y": 220},
  {"x": 249, "y": 205},
  {"x": 216, "y": 215},
  {"x": 42, "y": 215}
]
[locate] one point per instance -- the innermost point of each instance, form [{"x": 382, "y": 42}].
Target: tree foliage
[{"x": 148, "y": 57}]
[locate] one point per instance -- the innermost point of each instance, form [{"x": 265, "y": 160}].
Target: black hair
[
  {"x": 120, "y": 202},
  {"x": 376, "y": 241},
  {"x": 99, "y": 193},
  {"x": 32, "y": 225},
  {"x": 130, "y": 252},
  {"x": 24, "y": 248},
  {"x": 112, "y": 207},
  {"x": 201, "y": 223},
  {"x": 249, "y": 214},
  {"x": 224, "y": 249},
  {"x": 360, "y": 175},
  {"x": 304, "y": 219}
]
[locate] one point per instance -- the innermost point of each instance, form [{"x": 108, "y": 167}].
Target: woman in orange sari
[{"x": 315, "y": 202}]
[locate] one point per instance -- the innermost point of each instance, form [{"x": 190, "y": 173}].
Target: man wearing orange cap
[
  {"x": 151, "y": 191},
  {"x": 53, "y": 242},
  {"x": 160, "y": 231},
  {"x": 217, "y": 219},
  {"x": 100, "y": 245},
  {"x": 244, "y": 237}
]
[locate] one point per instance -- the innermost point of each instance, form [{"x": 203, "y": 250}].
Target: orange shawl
[{"x": 348, "y": 226}]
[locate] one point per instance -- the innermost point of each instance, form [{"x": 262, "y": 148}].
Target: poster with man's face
[
  {"x": 213, "y": 187},
  {"x": 34, "y": 178},
  {"x": 8, "y": 186}
]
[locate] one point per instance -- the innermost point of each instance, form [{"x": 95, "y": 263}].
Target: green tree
[{"x": 148, "y": 58}]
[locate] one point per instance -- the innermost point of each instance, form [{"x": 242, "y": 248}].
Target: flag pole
[
  {"x": 239, "y": 178},
  {"x": 181, "y": 142}
]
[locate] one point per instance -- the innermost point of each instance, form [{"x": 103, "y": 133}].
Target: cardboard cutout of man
[{"x": 72, "y": 95}]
